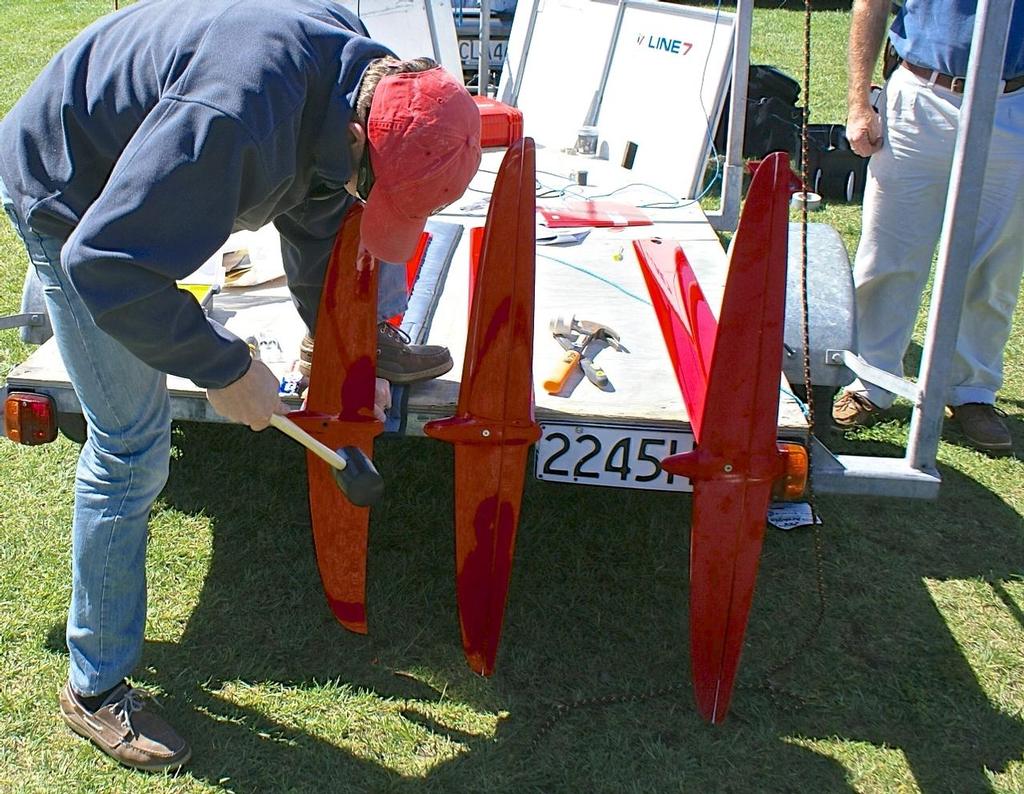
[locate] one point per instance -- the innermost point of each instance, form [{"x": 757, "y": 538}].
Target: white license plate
[
  {"x": 469, "y": 51},
  {"x": 617, "y": 457}
]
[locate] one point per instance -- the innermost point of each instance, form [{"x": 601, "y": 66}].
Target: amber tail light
[{"x": 30, "y": 418}]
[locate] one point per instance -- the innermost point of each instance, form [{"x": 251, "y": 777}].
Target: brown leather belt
[{"x": 956, "y": 84}]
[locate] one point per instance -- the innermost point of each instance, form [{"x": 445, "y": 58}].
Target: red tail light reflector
[{"x": 30, "y": 418}]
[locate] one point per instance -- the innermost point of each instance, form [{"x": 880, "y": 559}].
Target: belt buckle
[{"x": 957, "y": 84}]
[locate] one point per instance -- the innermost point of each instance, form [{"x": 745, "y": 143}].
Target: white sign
[{"x": 664, "y": 93}]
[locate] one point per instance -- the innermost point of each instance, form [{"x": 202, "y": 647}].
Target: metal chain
[
  {"x": 778, "y": 695},
  {"x": 812, "y": 633},
  {"x": 804, "y": 302},
  {"x": 768, "y": 684}
]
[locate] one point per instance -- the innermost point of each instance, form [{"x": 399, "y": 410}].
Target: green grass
[{"x": 915, "y": 681}]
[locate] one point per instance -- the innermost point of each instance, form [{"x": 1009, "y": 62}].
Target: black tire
[
  {"x": 860, "y": 178},
  {"x": 73, "y": 426},
  {"x": 833, "y": 186}
]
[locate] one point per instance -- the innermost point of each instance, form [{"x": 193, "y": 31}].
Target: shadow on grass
[{"x": 597, "y": 607}]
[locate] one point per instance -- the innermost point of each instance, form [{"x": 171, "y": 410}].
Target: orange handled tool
[
  {"x": 556, "y": 380},
  {"x": 564, "y": 332},
  {"x": 576, "y": 337}
]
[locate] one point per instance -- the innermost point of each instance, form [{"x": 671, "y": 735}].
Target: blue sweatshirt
[{"x": 169, "y": 124}]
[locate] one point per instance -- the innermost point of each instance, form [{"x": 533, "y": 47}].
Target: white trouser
[{"x": 904, "y": 200}]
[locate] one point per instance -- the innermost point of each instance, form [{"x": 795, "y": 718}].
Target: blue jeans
[
  {"x": 122, "y": 468},
  {"x": 392, "y": 291}
]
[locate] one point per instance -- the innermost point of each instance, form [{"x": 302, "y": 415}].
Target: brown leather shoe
[
  {"x": 400, "y": 362},
  {"x": 983, "y": 426},
  {"x": 854, "y": 410},
  {"x": 126, "y": 729},
  {"x": 397, "y": 360}
]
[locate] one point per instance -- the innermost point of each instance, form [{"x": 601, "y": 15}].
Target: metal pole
[
  {"x": 513, "y": 99},
  {"x": 435, "y": 45},
  {"x": 728, "y": 213},
  {"x": 483, "y": 77},
  {"x": 595, "y": 104},
  {"x": 956, "y": 246}
]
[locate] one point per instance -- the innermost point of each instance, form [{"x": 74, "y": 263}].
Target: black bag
[
  {"x": 773, "y": 125},
  {"x": 834, "y": 171},
  {"x": 772, "y": 119},
  {"x": 767, "y": 81}
]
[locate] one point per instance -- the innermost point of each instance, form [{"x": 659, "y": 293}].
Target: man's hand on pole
[{"x": 251, "y": 399}]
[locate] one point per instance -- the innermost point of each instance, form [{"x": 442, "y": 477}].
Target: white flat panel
[
  {"x": 665, "y": 92},
  {"x": 406, "y": 27},
  {"x": 665, "y": 89},
  {"x": 613, "y": 456},
  {"x": 561, "y": 65},
  {"x": 597, "y": 279}
]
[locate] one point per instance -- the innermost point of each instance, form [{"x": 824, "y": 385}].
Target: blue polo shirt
[
  {"x": 167, "y": 125},
  {"x": 937, "y": 34}
]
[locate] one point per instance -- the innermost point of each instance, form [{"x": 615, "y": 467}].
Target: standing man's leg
[
  {"x": 903, "y": 205},
  {"x": 992, "y": 284},
  {"x": 121, "y": 470}
]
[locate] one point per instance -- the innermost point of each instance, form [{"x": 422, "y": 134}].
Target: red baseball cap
[{"x": 424, "y": 139}]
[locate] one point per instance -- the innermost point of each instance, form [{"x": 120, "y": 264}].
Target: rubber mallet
[{"x": 354, "y": 472}]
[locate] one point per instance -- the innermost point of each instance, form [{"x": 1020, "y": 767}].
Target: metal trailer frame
[{"x": 915, "y": 474}]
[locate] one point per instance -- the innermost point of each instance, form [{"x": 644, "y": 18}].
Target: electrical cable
[
  {"x": 804, "y": 408},
  {"x": 594, "y": 275},
  {"x": 700, "y": 98}
]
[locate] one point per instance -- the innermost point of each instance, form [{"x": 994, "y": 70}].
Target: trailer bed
[{"x": 591, "y": 436}]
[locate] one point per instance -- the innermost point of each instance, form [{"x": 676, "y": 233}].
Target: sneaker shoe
[
  {"x": 126, "y": 728},
  {"x": 854, "y": 410},
  {"x": 400, "y": 362},
  {"x": 984, "y": 428}
]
